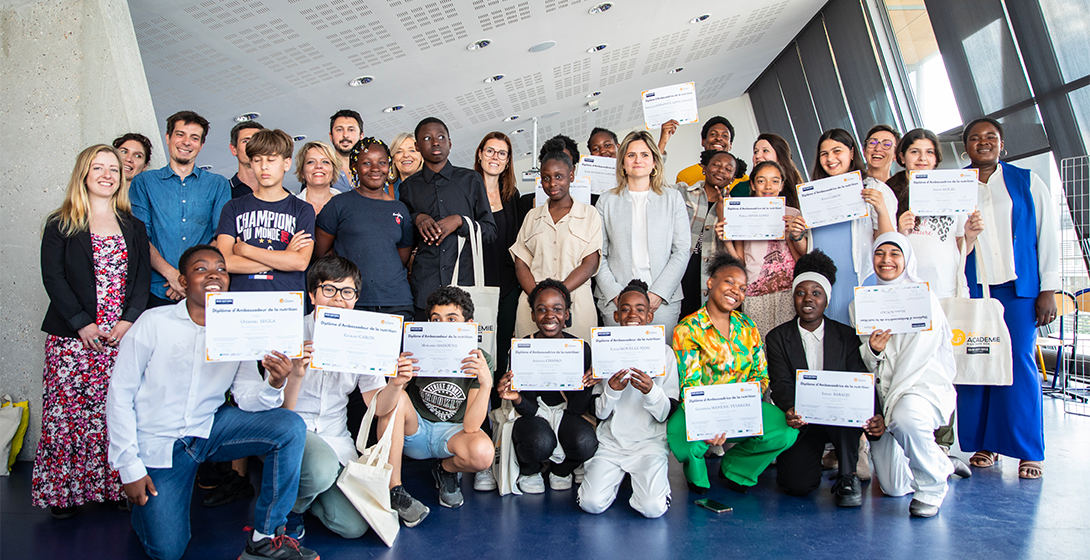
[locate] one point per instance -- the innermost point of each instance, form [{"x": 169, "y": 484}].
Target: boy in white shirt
[
  {"x": 166, "y": 416},
  {"x": 633, "y": 408}
]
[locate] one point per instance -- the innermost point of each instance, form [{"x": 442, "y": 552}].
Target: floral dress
[{"x": 71, "y": 466}]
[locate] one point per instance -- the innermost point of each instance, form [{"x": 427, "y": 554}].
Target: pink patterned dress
[{"x": 71, "y": 467}]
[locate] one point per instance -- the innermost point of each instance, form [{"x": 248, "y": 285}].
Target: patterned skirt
[{"x": 770, "y": 310}]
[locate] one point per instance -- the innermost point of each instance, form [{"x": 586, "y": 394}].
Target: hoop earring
[
  {"x": 654, "y": 172},
  {"x": 624, "y": 172},
  {"x": 1003, "y": 154},
  {"x": 964, "y": 155}
]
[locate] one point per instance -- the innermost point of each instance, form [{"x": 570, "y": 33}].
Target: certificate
[
  {"x": 733, "y": 409},
  {"x": 834, "y": 398},
  {"x": 942, "y": 192},
  {"x": 749, "y": 218},
  {"x": 832, "y": 200},
  {"x": 602, "y": 172},
  {"x": 356, "y": 341},
  {"x": 677, "y": 102},
  {"x": 579, "y": 190},
  {"x": 615, "y": 348},
  {"x": 242, "y": 326},
  {"x": 440, "y": 347},
  {"x": 901, "y": 308},
  {"x": 546, "y": 364}
]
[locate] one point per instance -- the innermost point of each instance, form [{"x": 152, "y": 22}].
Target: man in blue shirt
[
  {"x": 345, "y": 130},
  {"x": 180, "y": 204}
]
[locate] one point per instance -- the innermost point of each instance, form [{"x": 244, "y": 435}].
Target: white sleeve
[
  {"x": 607, "y": 400},
  {"x": 251, "y": 392},
  {"x": 132, "y": 358},
  {"x": 1048, "y": 235}
]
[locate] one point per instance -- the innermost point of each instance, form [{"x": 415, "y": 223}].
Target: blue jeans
[{"x": 279, "y": 434}]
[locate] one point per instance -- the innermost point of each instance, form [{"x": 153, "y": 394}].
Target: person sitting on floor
[
  {"x": 632, "y": 408},
  {"x": 166, "y": 416}
]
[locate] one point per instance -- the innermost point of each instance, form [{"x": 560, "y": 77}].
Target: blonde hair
[
  {"x": 300, "y": 159},
  {"x": 657, "y": 172},
  {"x": 400, "y": 139},
  {"x": 74, "y": 214}
]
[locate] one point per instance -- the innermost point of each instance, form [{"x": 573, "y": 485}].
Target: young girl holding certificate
[
  {"x": 718, "y": 344},
  {"x": 702, "y": 200},
  {"x": 770, "y": 263},
  {"x": 551, "y": 424},
  {"x": 915, "y": 381}
]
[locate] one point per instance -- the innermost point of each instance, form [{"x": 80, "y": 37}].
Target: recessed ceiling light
[
  {"x": 676, "y": 70},
  {"x": 518, "y": 131},
  {"x": 476, "y": 45},
  {"x": 591, "y": 110},
  {"x": 299, "y": 137},
  {"x": 511, "y": 118},
  {"x": 393, "y": 108},
  {"x": 204, "y": 167},
  {"x": 598, "y": 48},
  {"x": 543, "y": 46},
  {"x": 362, "y": 80},
  {"x": 493, "y": 78},
  {"x": 527, "y": 154},
  {"x": 550, "y": 115},
  {"x": 594, "y": 94},
  {"x": 247, "y": 117},
  {"x": 599, "y": 8},
  {"x": 700, "y": 18}
]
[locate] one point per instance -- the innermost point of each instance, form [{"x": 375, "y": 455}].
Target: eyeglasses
[
  {"x": 887, "y": 144},
  {"x": 489, "y": 152},
  {"x": 330, "y": 291}
]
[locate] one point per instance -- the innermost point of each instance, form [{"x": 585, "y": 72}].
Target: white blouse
[{"x": 995, "y": 245}]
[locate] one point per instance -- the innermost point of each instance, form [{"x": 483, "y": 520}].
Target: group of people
[{"x": 133, "y": 413}]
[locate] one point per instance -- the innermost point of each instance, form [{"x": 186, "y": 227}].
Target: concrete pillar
[{"x": 70, "y": 76}]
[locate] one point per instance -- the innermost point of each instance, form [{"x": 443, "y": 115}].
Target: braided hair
[{"x": 362, "y": 146}]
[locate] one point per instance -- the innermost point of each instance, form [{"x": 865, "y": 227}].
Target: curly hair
[
  {"x": 558, "y": 143},
  {"x": 725, "y": 260},
  {"x": 816, "y": 261},
  {"x": 635, "y": 285},
  {"x": 739, "y": 164},
  {"x": 452, "y": 295},
  {"x": 550, "y": 284},
  {"x": 362, "y": 146}
]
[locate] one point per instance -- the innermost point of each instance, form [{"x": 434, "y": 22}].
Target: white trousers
[
  {"x": 906, "y": 458},
  {"x": 603, "y": 475}
]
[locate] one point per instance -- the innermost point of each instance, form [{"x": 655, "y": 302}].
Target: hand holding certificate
[
  {"x": 942, "y": 192},
  {"x": 243, "y": 326},
  {"x": 832, "y": 200},
  {"x": 834, "y": 398},
  {"x": 356, "y": 341},
  {"x": 602, "y": 172},
  {"x": 753, "y": 218},
  {"x": 733, "y": 409},
  {"x": 546, "y": 364},
  {"x": 677, "y": 102},
  {"x": 617, "y": 348},
  {"x": 900, "y": 308},
  {"x": 579, "y": 191},
  {"x": 439, "y": 348}
]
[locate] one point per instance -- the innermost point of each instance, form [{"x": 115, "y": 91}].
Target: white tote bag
[
  {"x": 505, "y": 465},
  {"x": 486, "y": 299},
  {"x": 366, "y": 481},
  {"x": 982, "y": 342}
]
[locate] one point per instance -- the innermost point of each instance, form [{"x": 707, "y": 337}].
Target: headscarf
[{"x": 902, "y": 243}]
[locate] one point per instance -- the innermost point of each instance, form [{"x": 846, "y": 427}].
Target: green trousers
[{"x": 744, "y": 462}]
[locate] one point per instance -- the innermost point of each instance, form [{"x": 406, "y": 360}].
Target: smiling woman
[{"x": 316, "y": 167}]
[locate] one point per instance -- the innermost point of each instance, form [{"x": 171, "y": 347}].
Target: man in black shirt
[
  {"x": 244, "y": 182},
  {"x": 438, "y": 197}
]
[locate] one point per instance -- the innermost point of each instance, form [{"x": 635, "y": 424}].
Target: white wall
[{"x": 71, "y": 77}]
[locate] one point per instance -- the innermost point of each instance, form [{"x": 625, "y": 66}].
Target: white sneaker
[
  {"x": 862, "y": 469},
  {"x": 716, "y": 451},
  {"x": 484, "y": 481},
  {"x": 560, "y": 482},
  {"x": 531, "y": 483},
  {"x": 579, "y": 473}
]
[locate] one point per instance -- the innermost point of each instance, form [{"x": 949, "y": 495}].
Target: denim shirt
[{"x": 179, "y": 212}]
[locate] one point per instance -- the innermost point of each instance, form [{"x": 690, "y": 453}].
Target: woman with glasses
[
  {"x": 878, "y": 151},
  {"x": 375, "y": 233}
]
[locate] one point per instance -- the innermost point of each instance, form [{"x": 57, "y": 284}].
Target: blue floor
[{"x": 992, "y": 515}]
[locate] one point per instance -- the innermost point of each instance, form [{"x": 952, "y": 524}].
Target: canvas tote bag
[
  {"x": 366, "y": 481},
  {"x": 486, "y": 299},
  {"x": 982, "y": 342},
  {"x": 505, "y": 465}
]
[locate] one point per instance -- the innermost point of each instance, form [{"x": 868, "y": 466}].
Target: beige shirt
[{"x": 554, "y": 250}]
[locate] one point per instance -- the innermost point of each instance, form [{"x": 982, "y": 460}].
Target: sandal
[
  {"x": 983, "y": 459},
  {"x": 1030, "y": 469}
]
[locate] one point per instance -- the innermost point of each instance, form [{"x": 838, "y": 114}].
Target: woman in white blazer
[{"x": 645, "y": 233}]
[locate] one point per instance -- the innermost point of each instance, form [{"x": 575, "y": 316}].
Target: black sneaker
[
  {"x": 278, "y": 547},
  {"x": 62, "y": 512},
  {"x": 848, "y": 491},
  {"x": 233, "y": 487},
  {"x": 296, "y": 527},
  {"x": 449, "y": 485},
  {"x": 408, "y": 508},
  {"x": 210, "y": 475}
]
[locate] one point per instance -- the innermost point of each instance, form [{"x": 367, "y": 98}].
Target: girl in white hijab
[{"x": 914, "y": 374}]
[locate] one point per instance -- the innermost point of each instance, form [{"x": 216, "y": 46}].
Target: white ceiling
[{"x": 291, "y": 61}]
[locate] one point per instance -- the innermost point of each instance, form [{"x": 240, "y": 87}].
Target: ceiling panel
[{"x": 292, "y": 60}]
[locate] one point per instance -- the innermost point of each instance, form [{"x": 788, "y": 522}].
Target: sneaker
[
  {"x": 210, "y": 475},
  {"x": 579, "y": 474},
  {"x": 449, "y": 485},
  {"x": 829, "y": 462},
  {"x": 485, "y": 481},
  {"x": 848, "y": 491},
  {"x": 295, "y": 527},
  {"x": 920, "y": 509},
  {"x": 62, "y": 512},
  {"x": 531, "y": 483},
  {"x": 408, "y": 508},
  {"x": 960, "y": 468},
  {"x": 278, "y": 547},
  {"x": 233, "y": 487},
  {"x": 560, "y": 482},
  {"x": 715, "y": 451},
  {"x": 862, "y": 468}
]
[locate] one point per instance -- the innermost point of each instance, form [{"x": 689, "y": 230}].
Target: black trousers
[
  {"x": 798, "y": 469},
  {"x": 535, "y": 441}
]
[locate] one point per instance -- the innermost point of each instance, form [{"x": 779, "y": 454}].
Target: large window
[{"x": 923, "y": 65}]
